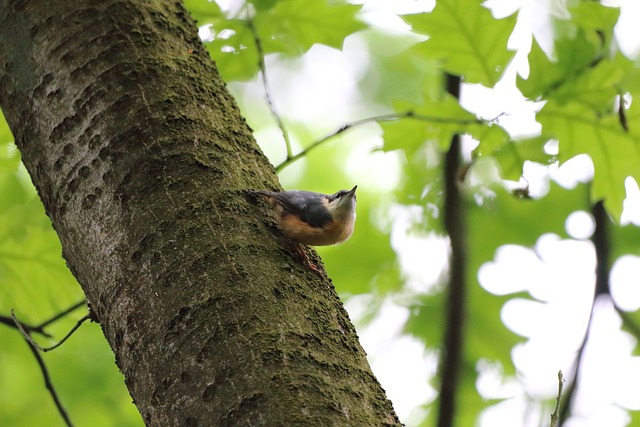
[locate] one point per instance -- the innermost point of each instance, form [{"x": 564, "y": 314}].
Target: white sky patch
[
  {"x": 574, "y": 171},
  {"x": 559, "y": 275},
  {"x": 625, "y": 275},
  {"x": 371, "y": 168},
  {"x": 423, "y": 258},
  {"x": 580, "y": 225},
  {"x": 631, "y": 204}
]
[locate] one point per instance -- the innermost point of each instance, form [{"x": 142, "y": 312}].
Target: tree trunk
[{"x": 141, "y": 156}]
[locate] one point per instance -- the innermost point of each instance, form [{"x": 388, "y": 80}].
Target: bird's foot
[{"x": 304, "y": 258}]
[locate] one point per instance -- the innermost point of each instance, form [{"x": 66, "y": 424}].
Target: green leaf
[
  {"x": 33, "y": 276},
  {"x": 466, "y": 38},
  {"x": 574, "y": 57},
  {"x": 512, "y": 155},
  {"x": 615, "y": 153},
  {"x": 625, "y": 241},
  {"x": 407, "y": 74},
  {"x": 582, "y": 69},
  {"x": 593, "y": 16},
  {"x": 285, "y": 26},
  {"x": 432, "y": 121},
  {"x": 579, "y": 76},
  {"x": 292, "y": 26},
  {"x": 203, "y": 11},
  {"x": 506, "y": 219}
]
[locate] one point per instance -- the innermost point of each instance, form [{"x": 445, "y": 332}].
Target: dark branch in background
[
  {"x": 265, "y": 82},
  {"x": 600, "y": 241},
  {"x": 377, "y": 119},
  {"x": 454, "y": 222},
  {"x": 622, "y": 117},
  {"x": 45, "y": 373}
]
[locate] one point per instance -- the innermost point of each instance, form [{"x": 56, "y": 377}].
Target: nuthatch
[{"x": 314, "y": 219}]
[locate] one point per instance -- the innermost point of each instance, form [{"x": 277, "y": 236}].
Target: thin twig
[
  {"x": 28, "y": 337},
  {"x": 8, "y": 321},
  {"x": 24, "y": 333},
  {"x": 45, "y": 374},
  {"x": 62, "y": 314},
  {"x": 377, "y": 119},
  {"x": 66, "y": 337},
  {"x": 455, "y": 225},
  {"x": 555, "y": 416},
  {"x": 265, "y": 83},
  {"x": 39, "y": 329}
]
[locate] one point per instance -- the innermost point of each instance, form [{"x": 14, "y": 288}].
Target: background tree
[{"x": 584, "y": 73}]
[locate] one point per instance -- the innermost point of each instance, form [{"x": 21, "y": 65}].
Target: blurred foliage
[{"x": 580, "y": 83}]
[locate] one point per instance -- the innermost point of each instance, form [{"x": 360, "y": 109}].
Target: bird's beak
[{"x": 352, "y": 192}]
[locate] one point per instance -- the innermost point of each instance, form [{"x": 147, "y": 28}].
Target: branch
[
  {"x": 265, "y": 82},
  {"x": 45, "y": 373},
  {"x": 28, "y": 337},
  {"x": 454, "y": 222},
  {"x": 8, "y": 321},
  {"x": 377, "y": 119},
  {"x": 66, "y": 337},
  {"x": 62, "y": 313},
  {"x": 39, "y": 329}
]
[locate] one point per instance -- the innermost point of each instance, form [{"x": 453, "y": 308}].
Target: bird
[{"x": 315, "y": 219}]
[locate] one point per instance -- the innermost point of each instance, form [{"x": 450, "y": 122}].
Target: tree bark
[{"x": 141, "y": 159}]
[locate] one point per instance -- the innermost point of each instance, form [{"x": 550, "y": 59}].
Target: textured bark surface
[{"x": 141, "y": 157}]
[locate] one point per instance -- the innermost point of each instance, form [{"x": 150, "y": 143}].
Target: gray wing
[{"x": 307, "y": 205}]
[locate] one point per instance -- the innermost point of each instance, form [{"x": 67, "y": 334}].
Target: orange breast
[{"x": 301, "y": 232}]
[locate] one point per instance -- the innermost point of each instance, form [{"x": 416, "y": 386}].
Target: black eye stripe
[{"x": 339, "y": 194}]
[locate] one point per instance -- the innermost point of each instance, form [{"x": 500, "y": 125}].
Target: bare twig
[
  {"x": 66, "y": 337},
  {"x": 555, "y": 416},
  {"x": 39, "y": 329},
  {"x": 45, "y": 372},
  {"x": 28, "y": 337},
  {"x": 265, "y": 82},
  {"x": 62, "y": 314},
  {"x": 454, "y": 222},
  {"x": 8, "y": 321},
  {"x": 24, "y": 333},
  {"x": 377, "y": 119}
]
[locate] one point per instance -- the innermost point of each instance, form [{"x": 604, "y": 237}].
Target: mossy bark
[{"x": 141, "y": 159}]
